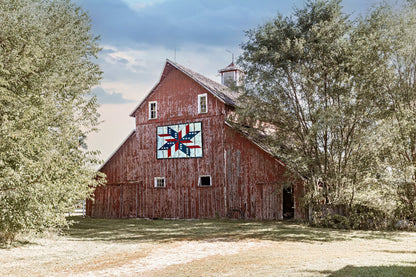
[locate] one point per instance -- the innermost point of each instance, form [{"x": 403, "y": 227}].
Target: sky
[{"x": 137, "y": 36}]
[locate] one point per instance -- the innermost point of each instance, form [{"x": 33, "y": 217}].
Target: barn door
[
  {"x": 288, "y": 203},
  {"x": 129, "y": 201},
  {"x": 114, "y": 201}
]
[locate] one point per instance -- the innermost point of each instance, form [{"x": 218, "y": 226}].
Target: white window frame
[
  {"x": 157, "y": 179},
  {"x": 200, "y": 182},
  {"x": 200, "y": 96},
  {"x": 150, "y": 109}
]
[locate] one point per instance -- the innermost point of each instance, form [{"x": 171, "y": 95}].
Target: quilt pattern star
[{"x": 179, "y": 141}]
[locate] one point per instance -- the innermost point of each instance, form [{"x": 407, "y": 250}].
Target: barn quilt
[{"x": 180, "y": 141}]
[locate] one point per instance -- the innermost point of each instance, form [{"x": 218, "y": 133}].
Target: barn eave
[{"x": 132, "y": 133}]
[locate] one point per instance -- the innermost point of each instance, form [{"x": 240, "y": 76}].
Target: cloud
[
  {"x": 105, "y": 97},
  {"x": 140, "y": 74},
  {"x": 177, "y": 23},
  {"x": 130, "y": 71}
]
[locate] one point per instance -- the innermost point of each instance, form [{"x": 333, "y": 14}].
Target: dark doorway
[{"x": 288, "y": 203}]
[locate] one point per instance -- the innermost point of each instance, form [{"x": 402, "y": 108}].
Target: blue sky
[{"x": 137, "y": 36}]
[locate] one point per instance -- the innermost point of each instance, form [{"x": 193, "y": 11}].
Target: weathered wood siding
[
  {"x": 255, "y": 179},
  {"x": 117, "y": 198},
  {"x": 177, "y": 102},
  {"x": 245, "y": 179}
]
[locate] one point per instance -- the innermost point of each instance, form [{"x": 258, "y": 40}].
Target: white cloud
[
  {"x": 134, "y": 72},
  {"x": 142, "y": 4},
  {"x": 105, "y": 97},
  {"x": 131, "y": 59}
]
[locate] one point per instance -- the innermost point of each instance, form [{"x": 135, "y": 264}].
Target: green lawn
[{"x": 173, "y": 230}]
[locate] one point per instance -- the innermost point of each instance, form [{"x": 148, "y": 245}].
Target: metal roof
[{"x": 230, "y": 67}]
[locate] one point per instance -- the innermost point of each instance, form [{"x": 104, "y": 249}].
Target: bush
[
  {"x": 358, "y": 217},
  {"x": 335, "y": 221},
  {"x": 405, "y": 208},
  {"x": 365, "y": 217},
  {"x": 7, "y": 237}
]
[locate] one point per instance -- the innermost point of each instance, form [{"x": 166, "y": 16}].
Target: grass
[
  {"x": 375, "y": 271},
  {"x": 142, "y": 230},
  {"x": 139, "y": 247}
]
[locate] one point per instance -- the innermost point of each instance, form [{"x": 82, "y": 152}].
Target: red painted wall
[
  {"x": 255, "y": 179},
  {"x": 245, "y": 179}
]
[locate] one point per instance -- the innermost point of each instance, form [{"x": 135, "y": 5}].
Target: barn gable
[
  {"x": 223, "y": 93},
  {"x": 185, "y": 161}
]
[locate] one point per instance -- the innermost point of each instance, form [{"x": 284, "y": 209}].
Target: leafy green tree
[
  {"x": 318, "y": 79},
  {"x": 397, "y": 153},
  {"x": 46, "y": 73}
]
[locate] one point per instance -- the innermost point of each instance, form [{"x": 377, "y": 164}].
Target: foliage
[
  {"x": 335, "y": 221},
  {"x": 46, "y": 73},
  {"x": 391, "y": 140},
  {"x": 358, "y": 217},
  {"x": 306, "y": 77},
  {"x": 401, "y": 158},
  {"x": 369, "y": 217},
  {"x": 406, "y": 203},
  {"x": 338, "y": 97}
]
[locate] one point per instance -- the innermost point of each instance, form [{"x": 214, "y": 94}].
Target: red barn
[{"x": 185, "y": 160}]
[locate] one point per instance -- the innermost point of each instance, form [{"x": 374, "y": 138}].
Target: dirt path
[
  {"x": 300, "y": 259},
  {"x": 176, "y": 254},
  {"x": 63, "y": 257},
  {"x": 70, "y": 256}
]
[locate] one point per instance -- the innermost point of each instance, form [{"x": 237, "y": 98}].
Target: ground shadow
[
  {"x": 209, "y": 230},
  {"x": 398, "y": 252},
  {"x": 17, "y": 243},
  {"x": 373, "y": 271}
]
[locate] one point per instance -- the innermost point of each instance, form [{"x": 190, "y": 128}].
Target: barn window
[
  {"x": 160, "y": 182},
  {"x": 202, "y": 103},
  {"x": 152, "y": 110},
  {"x": 204, "y": 181}
]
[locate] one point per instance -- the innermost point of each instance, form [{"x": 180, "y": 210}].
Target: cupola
[{"x": 231, "y": 75}]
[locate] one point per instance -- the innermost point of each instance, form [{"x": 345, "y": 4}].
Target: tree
[
  {"x": 317, "y": 77},
  {"x": 397, "y": 153},
  {"x": 46, "y": 73}
]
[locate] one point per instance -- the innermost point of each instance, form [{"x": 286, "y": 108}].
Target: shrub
[{"x": 357, "y": 217}]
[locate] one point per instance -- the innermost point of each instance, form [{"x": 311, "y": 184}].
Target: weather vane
[{"x": 232, "y": 55}]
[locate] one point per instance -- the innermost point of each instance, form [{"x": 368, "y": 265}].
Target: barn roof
[
  {"x": 132, "y": 133},
  {"x": 223, "y": 93},
  {"x": 230, "y": 67},
  {"x": 256, "y": 137},
  {"x": 260, "y": 139}
]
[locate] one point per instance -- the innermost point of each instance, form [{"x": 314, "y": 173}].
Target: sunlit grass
[{"x": 171, "y": 230}]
